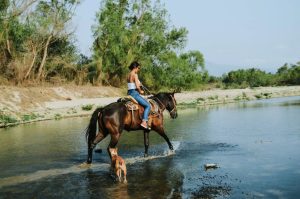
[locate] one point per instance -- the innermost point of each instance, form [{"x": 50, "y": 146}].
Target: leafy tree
[
  {"x": 130, "y": 30},
  {"x": 52, "y": 18},
  {"x": 30, "y": 37},
  {"x": 248, "y": 78},
  {"x": 289, "y": 75}
]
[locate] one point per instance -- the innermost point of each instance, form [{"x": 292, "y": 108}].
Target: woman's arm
[{"x": 138, "y": 84}]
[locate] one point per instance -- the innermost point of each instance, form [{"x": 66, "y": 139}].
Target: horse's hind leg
[
  {"x": 146, "y": 142},
  {"x": 100, "y": 136}
]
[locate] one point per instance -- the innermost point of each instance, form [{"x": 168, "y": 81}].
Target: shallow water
[{"x": 255, "y": 144}]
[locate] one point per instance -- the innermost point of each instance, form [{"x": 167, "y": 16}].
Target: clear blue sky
[{"x": 231, "y": 34}]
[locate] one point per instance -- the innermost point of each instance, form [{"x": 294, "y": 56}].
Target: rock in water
[{"x": 210, "y": 166}]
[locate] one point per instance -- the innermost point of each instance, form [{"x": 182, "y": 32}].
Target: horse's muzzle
[{"x": 174, "y": 114}]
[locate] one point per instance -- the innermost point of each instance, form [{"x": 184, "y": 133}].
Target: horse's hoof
[
  {"x": 85, "y": 165},
  {"x": 171, "y": 152},
  {"x": 145, "y": 155},
  {"x": 89, "y": 162}
]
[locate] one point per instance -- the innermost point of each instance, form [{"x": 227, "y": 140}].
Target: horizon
[{"x": 231, "y": 35}]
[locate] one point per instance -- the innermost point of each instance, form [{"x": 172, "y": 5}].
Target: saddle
[{"x": 132, "y": 105}]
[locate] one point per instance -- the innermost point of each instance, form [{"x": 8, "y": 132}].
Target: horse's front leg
[
  {"x": 162, "y": 133},
  {"x": 168, "y": 141},
  {"x": 146, "y": 142}
]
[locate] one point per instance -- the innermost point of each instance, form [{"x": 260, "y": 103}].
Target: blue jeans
[{"x": 135, "y": 94}]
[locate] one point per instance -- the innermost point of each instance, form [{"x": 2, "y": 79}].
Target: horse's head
[{"x": 169, "y": 103}]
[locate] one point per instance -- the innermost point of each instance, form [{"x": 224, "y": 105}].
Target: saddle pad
[
  {"x": 131, "y": 106},
  {"x": 127, "y": 98}
]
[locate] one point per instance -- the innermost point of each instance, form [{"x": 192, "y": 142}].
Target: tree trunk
[
  {"x": 99, "y": 72},
  {"x": 32, "y": 63},
  {"x": 44, "y": 58},
  {"x": 8, "y": 47}
]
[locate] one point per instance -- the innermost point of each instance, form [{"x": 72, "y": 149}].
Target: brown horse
[{"x": 115, "y": 117}]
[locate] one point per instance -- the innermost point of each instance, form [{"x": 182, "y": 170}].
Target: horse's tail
[{"x": 92, "y": 127}]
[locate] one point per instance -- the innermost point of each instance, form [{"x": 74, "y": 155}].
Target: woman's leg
[{"x": 142, "y": 101}]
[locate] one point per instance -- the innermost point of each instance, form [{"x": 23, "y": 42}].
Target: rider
[{"x": 134, "y": 90}]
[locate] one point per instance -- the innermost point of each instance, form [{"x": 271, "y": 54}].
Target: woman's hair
[{"x": 133, "y": 65}]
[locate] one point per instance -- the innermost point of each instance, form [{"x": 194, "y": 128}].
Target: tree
[
  {"x": 52, "y": 18},
  {"x": 12, "y": 32},
  {"x": 248, "y": 78},
  {"x": 130, "y": 30},
  {"x": 32, "y": 33}
]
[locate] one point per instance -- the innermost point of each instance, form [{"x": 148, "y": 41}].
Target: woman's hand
[{"x": 142, "y": 92}]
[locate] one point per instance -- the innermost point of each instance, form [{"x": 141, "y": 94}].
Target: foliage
[
  {"x": 248, "y": 78},
  {"x": 137, "y": 30},
  {"x": 6, "y": 119},
  {"x": 57, "y": 116},
  {"x": 242, "y": 78},
  {"x": 289, "y": 75},
  {"x": 37, "y": 45},
  {"x": 87, "y": 107},
  {"x": 28, "y": 117},
  {"x": 35, "y": 40}
]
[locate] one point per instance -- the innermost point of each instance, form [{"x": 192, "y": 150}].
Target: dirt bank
[
  {"x": 28, "y": 104},
  {"x": 24, "y": 104}
]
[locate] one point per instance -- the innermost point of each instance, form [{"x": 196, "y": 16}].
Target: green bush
[
  {"x": 57, "y": 116},
  {"x": 258, "y": 96},
  {"x": 28, "y": 117},
  {"x": 7, "y": 119},
  {"x": 87, "y": 107}
]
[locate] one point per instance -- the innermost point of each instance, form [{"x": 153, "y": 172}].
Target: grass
[
  {"x": 267, "y": 95},
  {"x": 28, "y": 117},
  {"x": 6, "y": 119},
  {"x": 57, "y": 116},
  {"x": 87, "y": 107},
  {"x": 258, "y": 96},
  {"x": 213, "y": 97},
  {"x": 263, "y": 95}
]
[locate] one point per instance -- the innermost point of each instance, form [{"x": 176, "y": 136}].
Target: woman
[{"x": 134, "y": 90}]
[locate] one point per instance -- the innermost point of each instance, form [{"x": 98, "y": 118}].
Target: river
[{"x": 255, "y": 145}]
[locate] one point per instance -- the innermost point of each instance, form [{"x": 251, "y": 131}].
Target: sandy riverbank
[{"x": 22, "y": 104}]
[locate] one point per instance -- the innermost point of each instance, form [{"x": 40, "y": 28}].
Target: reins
[
  {"x": 163, "y": 106},
  {"x": 174, "y": 102}
]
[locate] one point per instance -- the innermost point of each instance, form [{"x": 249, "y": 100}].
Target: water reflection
[{"x": 254, "y": 143}]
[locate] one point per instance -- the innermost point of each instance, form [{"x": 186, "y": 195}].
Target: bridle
[
  {"x": 164, "y": 107},
  {"x": 174, "y": 102}
]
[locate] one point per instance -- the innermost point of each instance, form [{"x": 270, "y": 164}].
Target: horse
[{"x": 114, "y": 118}]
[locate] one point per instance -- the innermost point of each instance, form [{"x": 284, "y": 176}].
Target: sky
[{"x": 231, "y": 34}]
